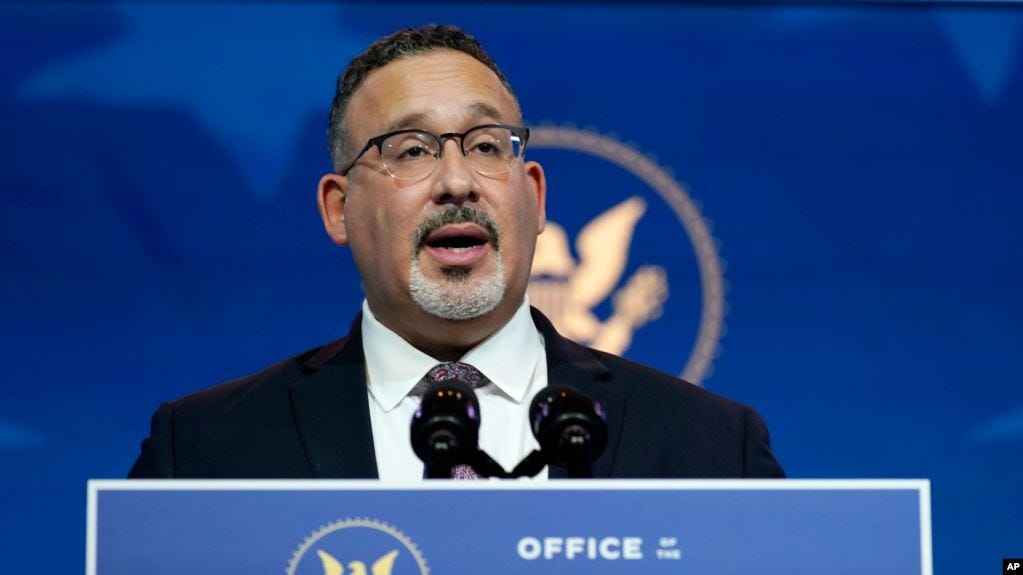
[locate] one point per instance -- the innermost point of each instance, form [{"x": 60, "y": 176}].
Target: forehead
[{"x": 441, "y": 90}]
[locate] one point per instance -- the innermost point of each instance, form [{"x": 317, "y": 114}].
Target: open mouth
[
  {"x": 457, "y": 237},
  {"x": 457, "y": 244}
]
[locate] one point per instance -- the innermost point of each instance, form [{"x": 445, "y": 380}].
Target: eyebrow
[{"x": 479, "y": 111}]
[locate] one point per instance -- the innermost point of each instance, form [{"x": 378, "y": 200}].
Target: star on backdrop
[
  {"x": 252, "y": 88},
  {"x": 1005, "y": 427},
  {"x": 986, "y": 44},
  {"x": 17, "y": 436}
]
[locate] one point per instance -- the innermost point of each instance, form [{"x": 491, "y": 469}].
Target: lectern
[{"x": 695, "y": 527}]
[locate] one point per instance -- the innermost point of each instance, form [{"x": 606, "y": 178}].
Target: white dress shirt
[{"x": 514, "y": 361}]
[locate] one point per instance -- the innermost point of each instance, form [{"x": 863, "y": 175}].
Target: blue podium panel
[{"x": 445, "y": 527}]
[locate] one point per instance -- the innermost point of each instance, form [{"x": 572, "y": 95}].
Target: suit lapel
[
  {"x": 572, "y": 364},
  {"x": 331, "y": 410}
]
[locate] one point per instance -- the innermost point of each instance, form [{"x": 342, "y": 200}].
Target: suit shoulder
[
  {"x": 701, "y": 433},
  {"x": 273, "y": 379},
  {"x": 641, "y": 382}
]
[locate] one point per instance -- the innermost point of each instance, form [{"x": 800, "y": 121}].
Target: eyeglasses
[{"x": 413, "y": 154}]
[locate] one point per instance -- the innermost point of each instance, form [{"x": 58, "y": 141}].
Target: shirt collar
[{"x": 507, "y": 358}]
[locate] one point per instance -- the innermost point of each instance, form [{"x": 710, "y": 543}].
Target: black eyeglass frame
[{"x": 378, "y": 142}]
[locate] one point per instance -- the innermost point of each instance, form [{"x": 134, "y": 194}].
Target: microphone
[
  {"x": 571, "y": 428},
  {"x": 445, "y": 427}
]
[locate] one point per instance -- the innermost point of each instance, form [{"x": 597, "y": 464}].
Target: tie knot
[{"x": 456, "y": 371}]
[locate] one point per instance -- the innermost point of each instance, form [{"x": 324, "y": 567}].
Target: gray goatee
[{"x": 462, "y": 294}]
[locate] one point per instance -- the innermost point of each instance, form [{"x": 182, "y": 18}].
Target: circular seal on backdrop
[
  {"x": 572, "y": 290},
  {"x": 357, "y": 545}
]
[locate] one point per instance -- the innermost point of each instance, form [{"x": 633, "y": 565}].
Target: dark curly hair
[{"x": 403, "y": 43}]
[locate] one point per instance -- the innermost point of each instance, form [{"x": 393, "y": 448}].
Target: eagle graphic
[{"x": 567, "y": 291}]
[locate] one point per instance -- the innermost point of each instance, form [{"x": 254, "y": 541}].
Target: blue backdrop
[{"x": 851, "y": 172}]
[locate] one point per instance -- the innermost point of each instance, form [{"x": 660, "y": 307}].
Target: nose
[{"x": 454, "y": 179}]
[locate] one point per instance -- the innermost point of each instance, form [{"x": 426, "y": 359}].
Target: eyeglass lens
[{"x": 489, "y": 150}]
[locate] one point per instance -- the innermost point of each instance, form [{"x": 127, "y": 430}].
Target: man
[{"x": 441, "y": 210}]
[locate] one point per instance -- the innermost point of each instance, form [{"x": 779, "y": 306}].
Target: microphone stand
[
  {"x": 485, "y": 466},
  {"x": 577, "y": 451},
  {"x": 531, "y": 465}
]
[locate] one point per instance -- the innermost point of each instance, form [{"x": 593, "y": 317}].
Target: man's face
[{"x": 456, "y": 244}]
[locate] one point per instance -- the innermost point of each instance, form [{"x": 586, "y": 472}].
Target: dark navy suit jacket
[{"x": 308, "y": 417}]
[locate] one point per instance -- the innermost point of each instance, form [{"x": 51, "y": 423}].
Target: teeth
[{"x": 458, "y": 250}]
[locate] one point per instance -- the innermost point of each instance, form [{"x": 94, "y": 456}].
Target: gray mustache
[{"x": 455, "y": 215}]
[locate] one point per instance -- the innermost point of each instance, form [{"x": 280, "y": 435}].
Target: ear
[
  {"x": 330, "y": 195},
  {"x": 537, "y": 183}
]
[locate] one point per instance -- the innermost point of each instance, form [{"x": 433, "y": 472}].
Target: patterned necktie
[{"x": 457, "y": 371}]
